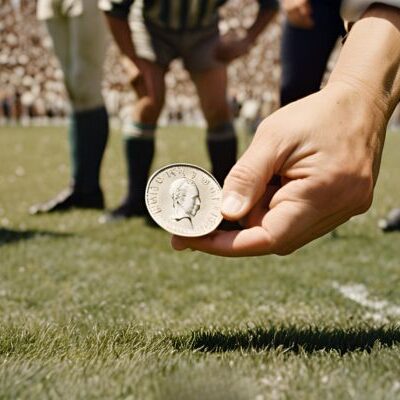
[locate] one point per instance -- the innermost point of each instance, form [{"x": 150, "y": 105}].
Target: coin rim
[{"x": 181, "y": 165}]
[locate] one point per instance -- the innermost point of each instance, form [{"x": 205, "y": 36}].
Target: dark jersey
[{"x": 173, "y": 14}]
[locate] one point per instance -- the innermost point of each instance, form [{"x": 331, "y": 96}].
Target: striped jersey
[{"x": 173, "y": 14}]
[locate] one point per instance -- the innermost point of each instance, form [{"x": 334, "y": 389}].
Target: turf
[{"x": 89, "y": 311}]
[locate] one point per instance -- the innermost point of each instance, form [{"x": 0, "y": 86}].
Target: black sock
[
  {"x": 222, "y": 149},
  {"x": 139, "y": 152},
  {"x": 88, "y": 136}
]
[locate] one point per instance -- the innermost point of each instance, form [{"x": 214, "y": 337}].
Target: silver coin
[{"x": 184, "y": 200}]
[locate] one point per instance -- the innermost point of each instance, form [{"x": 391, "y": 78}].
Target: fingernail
[{"x": 232, "y": 203}]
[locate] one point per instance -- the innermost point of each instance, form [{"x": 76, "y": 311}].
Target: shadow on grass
[
  {"x": 290, "y": 338},
  {"x": 11, "y": 235}
]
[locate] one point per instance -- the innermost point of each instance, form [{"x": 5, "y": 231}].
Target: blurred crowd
[{"x": 32, "y": 89}]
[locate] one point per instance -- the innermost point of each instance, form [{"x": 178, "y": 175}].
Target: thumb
[{"x": 248, "y": 179}]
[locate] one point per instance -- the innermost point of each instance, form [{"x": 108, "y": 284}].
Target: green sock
[
  {"x": 88, "y": 136},
  {"x": 139, "y": 152},
  {"x": 222, "y": 149}
]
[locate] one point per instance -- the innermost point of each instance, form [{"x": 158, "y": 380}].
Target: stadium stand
[{"x": 31, "y": 80}]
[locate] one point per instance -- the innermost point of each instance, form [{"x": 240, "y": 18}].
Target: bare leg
[
  {"x": 80, "y": 44},
  {"x": 211, "y": 86},
  {"x": 139, "y": 138}
]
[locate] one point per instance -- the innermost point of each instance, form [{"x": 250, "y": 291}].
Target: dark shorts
[
  {"x": 160, "y": 45},
  {"x": 305, "y": 52}
]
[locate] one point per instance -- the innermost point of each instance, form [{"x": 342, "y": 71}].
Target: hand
[
  {"x": 135, "y": 75},
  {"x": 139, "y": 75},
  {"x": 298, "y": 13},
  {"x": 228, "y": 48},
  {"x": 326, "y": 148}
]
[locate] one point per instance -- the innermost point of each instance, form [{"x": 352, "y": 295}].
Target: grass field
[{"x": 89, "y": 311}]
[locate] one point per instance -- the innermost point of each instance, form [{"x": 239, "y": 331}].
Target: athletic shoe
[
  {"x": 392, "y": 222},
  {"x": 69, "y": 199},
  {"x": 124, "y": 211}
]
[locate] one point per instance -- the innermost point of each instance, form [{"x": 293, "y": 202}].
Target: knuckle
[
  {"x": 365, "y": 202},
  {"x": 278, "y": 244},
  {"x": 264, "y": 126},
  {"x": 362, "y": 192},
  {"x": 243, "y": 175},
  {"x": 354, "y": 188},
  {"x": 282, "y": 248}
]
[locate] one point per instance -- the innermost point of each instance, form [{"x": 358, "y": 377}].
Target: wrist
[
  {"x": 366, "y": 109},
  {"x": 368, "y": 102},
  {"x": 360, "y": 127},
  {"x": 370, "y": 67}
]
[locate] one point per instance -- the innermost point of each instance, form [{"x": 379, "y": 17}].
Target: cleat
[
  {"x": 67, "y": 200},
  {"x": 392, "y": 222},
  {"x": 124, "y": 212}
]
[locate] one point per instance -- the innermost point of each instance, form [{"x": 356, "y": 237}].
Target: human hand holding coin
[
  {"x": 326, "y": 148},
  {"x": 327, "y": 175},
  {"x": 184, "y": 199}
]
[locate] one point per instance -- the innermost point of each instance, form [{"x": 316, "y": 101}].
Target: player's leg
[
  {"x": 58, "y": 28},
  {"x": 139, "y": 132},
  {"x": 211, "y": 86},
  {"x": 79, "y": 44},
  {"x": 89, "y": 121},
  {"x": 392, "y": 221},
  {"x": 305, "y": 52},
  {"x": 139, "y": 141},
  {"x": 210, "y": 79}
]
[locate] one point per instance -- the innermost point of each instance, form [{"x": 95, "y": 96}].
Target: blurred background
[{"x": 32, "y": 89}]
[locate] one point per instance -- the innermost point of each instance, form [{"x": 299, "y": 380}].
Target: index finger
[
  {"x": 287, "y": 226},
  {"x": 254, "y": 241}
]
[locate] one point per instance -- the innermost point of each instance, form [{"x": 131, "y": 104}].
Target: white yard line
[{"x": 379, "y": 309}]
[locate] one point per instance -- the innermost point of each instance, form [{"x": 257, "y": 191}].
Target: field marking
[{"x": 381, "y": 309}]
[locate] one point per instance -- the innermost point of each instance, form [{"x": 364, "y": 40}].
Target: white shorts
[
  {"x": 47, "y": 9},
  {"x": 79, "y": 36}
]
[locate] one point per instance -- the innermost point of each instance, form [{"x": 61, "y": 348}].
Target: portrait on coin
[{"x": 185, "y": 199}]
